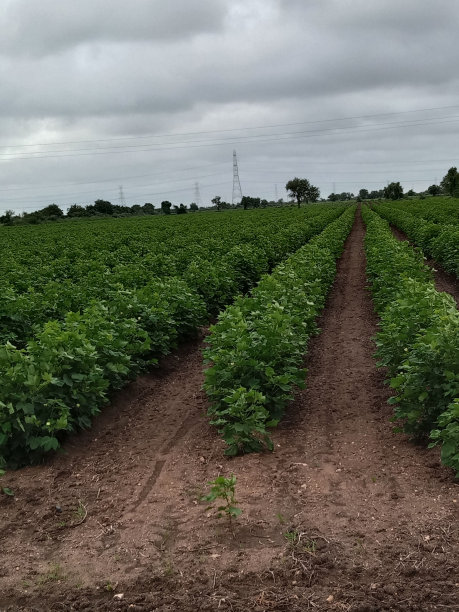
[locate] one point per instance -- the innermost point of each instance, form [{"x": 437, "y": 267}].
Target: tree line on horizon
[{"x": 300, "y": 190}]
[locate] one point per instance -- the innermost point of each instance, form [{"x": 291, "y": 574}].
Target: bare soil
[
  {"x": 345, "y": 514},
  {"x": 443, "y": 281}
]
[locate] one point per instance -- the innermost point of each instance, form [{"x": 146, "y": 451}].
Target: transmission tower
[
  {"x": 197, "y": 194},
  {"x": 276, "y": 193},
  {"x": 121, "y": 197},
  {"x": 237, "y": 191}
]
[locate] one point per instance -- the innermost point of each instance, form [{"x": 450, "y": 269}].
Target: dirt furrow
[{"x": 345, "y": 514}]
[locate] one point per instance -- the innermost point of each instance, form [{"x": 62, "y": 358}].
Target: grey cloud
[
  {"x": 47, "y": 27},
  {"x": 96, "y": 70}
]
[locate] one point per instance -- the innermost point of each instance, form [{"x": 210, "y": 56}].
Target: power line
[
  {"x": 259, "y": 138},
  {"x": 145, "y": 194},
  {"x": 265, "y": 126}
]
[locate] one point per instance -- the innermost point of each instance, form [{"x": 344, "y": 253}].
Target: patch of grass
[
  {"x": 299, "y": 541},
  {"x": 281, "y": 518},
  {"x": 55, "y": 573}
]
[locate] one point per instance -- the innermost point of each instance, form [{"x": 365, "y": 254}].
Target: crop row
[
  {"x": 439, "y": 241},
  {"x": 45, "y": 273},
  {"x": 61, "y": 377},
  {"x": 442, "y": 210},
  {"x": 418, "y": 339},
  {"x": 257, "y": 348}
]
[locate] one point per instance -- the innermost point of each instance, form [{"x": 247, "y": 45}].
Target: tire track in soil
[
  {"x": 112, "y": 469},
  {"x": 380, "y": 511},
  {"x": 443, "y": 281}
]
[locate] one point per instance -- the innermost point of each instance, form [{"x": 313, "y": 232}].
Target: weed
[
  {"x": 224, "y": 488},
  {"x": 297, "y": 540},
  {"x": 80, "y": 512},
  {"x": 168, "y": 567},
  {"x": 281, "y": 518},
  {"x": 54, "y": 574},
  {"x": 109, "y": 587}
]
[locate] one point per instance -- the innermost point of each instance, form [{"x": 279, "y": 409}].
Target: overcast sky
[{"x": 154, "y": 95}]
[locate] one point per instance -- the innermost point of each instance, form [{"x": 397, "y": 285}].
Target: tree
[
  {"x": 314, "y": 194},
  {"x": 180, "y": 210},
  {"x": 250, "y": 202},
  {"x": 52, "y": 210},
  {"x": 393, "y": 191},
  {"x": 345, "y": 196},
  {"x": 450, "y": 183},
  {"x": 166, "y": 207},
  {"x": 148, "y": 208},
  {"x": 302, "y": 190},
  {"x": 76, "y": 211},
  {"x": 103, "y": 207},
  {"x": 411, "y": 192},
  {"x": 216, "y": 201},
  {"x": 363, "y": 194},
  {"x": 7, "y": 218},
  {"x": 194, "y": 207},
  {"x": 434, "y": 190},
  {"x": 333, "y": 197}
]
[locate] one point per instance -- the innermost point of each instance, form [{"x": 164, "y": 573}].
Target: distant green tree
[
  {"x": 103, "y": 207},
  {"x": 166, "y": 207},
  {"x": 76, "y": 211},
  {"x": 376, "y": 193},
  {"x": 7, "y": 218},
  {"x": 302, "y": 190},
  {"x": 363, "y": 194},
  {"x": 393, "y": 191},
  {"x": 333, "y": 197},
  {"x": 216, "y": 201},
  {"x": 434, "y": 190},
  {"x": 194, "y": 207},
  {"x": 52, "y": 210},
  {"x": 180, "y": 210},
  {"x": 250, "y": 202},
  {"x": 314, "y": 194},
  {"x": 345, "y": 196},
  {"x": 450, "y": 183},
  {"x": 148, "y": 208},
  {"x": 411, "y": 192}
]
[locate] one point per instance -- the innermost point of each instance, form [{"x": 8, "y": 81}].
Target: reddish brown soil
[
  {"x": 343, "y": 515},
  {"x": 443, "y": 281}
]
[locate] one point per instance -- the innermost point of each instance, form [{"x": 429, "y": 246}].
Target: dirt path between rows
[
  {"x": 443, "y": 281},
  {"x": 343, "y": 515}
]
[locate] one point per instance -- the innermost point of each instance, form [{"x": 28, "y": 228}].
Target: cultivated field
[{"x": 320, "y": 316}]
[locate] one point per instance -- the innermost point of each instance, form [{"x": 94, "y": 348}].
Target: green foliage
[
  {"x": 434, "y": 190},
  {"x": 447, "y": 435},
  {"x": 78, "y": 319},
  {"x": 393, "y": 191},
  {"x": 302, "y": 190},
  {"x": 450, "y": 183},
  {"x": 256, "y": 349},
  {"x": 434, "y": 227},
  {"x": 418, "y": 338},
  {"x": 224, "y": 489}
]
